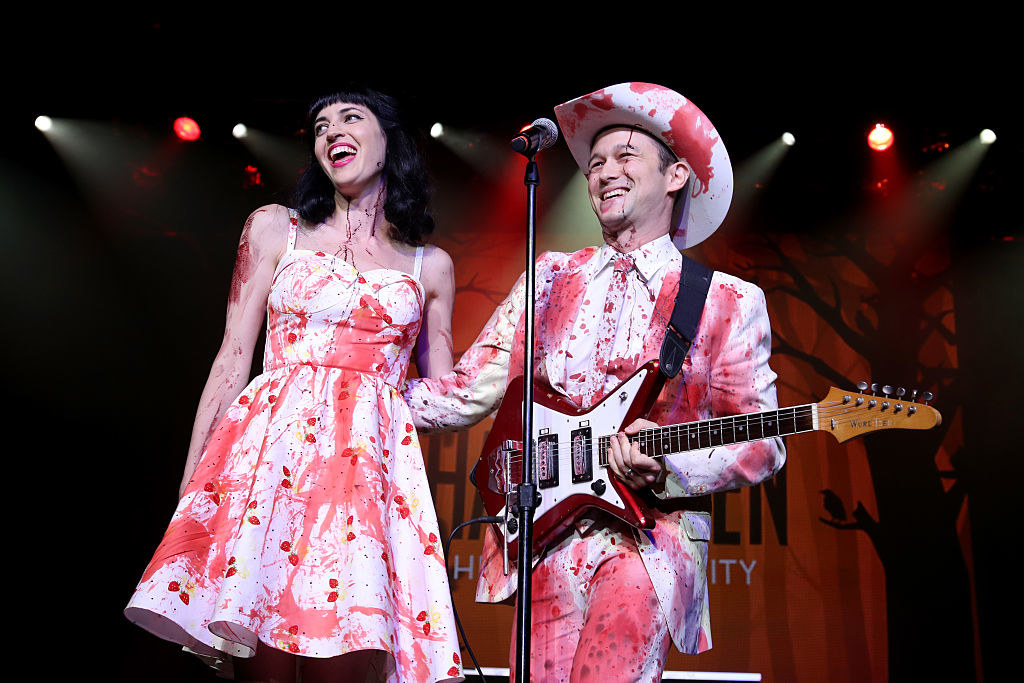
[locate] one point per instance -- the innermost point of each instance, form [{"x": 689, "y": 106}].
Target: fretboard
[{"x": 719, "y": 431}]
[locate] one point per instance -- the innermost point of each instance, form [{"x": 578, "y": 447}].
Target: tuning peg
[
  {"x": 874, "y": 388},
  {"x": 887, "y": 390},
  {"x": 900, "y": 392},
  {"x": 926, "y": 396},
  {"x": 913, "y": 395},
  {"x": 862, "y": 386}
]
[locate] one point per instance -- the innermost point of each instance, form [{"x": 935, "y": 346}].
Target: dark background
[{"x": 114, "y": 296}]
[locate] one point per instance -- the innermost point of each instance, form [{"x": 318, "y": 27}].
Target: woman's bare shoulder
[
  {"x": 437, "y": 259},
  {"x": 267, "y": 226}
]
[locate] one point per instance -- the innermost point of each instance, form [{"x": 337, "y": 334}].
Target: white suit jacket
[{"x": 726, "y": 372}]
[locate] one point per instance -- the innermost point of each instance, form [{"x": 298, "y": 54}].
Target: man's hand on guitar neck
[{"x": 629, "y": 463}]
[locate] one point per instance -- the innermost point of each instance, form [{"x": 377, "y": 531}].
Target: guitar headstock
[{"x": 847, "y": 414}]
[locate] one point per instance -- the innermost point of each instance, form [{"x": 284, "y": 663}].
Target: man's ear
[{"x": 678, "y": 173}]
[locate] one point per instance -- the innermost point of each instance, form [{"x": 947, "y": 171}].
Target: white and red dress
[{"x": 308, "y": 524}]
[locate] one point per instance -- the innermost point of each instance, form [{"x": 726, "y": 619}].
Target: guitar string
[{"x": 703, "y": 428}]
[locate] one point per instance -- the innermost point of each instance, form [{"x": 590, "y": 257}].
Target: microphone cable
[{"x": 455, "y": 611}]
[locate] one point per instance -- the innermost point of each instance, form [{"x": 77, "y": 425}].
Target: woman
[{"x": 305, "y": 535}]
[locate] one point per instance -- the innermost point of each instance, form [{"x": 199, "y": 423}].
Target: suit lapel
[
  {"x": 655, "y": 334},
  {"x": 558, "y": 319}
]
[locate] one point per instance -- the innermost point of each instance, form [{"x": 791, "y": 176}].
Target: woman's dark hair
[{"x": 408, "y": 189}]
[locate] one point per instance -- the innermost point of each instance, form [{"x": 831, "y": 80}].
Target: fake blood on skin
[{"x": 243, "y": 261}]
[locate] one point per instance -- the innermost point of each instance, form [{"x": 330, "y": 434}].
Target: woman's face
[{"x": 350, "y": 146}]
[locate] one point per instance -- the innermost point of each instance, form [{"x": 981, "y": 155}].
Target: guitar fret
[
  {"x": 715, "y": 432},
  {"x": 742, "y": 433}
]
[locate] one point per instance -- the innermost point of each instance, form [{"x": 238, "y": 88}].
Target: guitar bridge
[{"x": 499, "y": 466}]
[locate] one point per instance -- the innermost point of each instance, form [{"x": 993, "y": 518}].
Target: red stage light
[
  {"x": 880, "y": 138},
  {"x": 252, "y": 177},
  {"x": 186, "y": 129}
]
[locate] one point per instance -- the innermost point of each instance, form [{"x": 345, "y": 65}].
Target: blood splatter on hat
[{"x": 675, "y": 121}]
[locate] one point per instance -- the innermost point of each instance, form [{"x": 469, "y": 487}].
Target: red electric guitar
[{"x": 571, "y": 448}]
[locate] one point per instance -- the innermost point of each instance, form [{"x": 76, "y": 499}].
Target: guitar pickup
[
  {"x": 582, "y": 455},
  {"x": 547, "y": 461}
]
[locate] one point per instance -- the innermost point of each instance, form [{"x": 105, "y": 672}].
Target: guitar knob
[
  {"x": 598, "y": 487},
  {"x": 887, "y": 390},
  {"x": 862, "y": 386},
  {"x": 926, "y": 396}
]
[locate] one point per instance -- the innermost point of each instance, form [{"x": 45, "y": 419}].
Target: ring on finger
[{"x": 628, "y": 472}]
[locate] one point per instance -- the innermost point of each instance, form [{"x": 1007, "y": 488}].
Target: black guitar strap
[{"x": 694, "y": 283}]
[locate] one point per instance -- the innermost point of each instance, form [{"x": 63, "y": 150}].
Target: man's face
[{"x": 626, "y": 184}]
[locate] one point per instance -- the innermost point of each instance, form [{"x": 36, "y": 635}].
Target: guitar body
[
  {"x": 568, "y": 473},
  {"x": 571, "y": 471}
]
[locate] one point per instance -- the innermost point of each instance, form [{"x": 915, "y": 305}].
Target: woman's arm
[
  {"x": 261, "y": 246},
  {"x": 434, "y": 345},
  {"x": 475, "y": 387}
]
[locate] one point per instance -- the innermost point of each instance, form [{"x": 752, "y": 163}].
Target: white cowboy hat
[{"x": 677, "y": 122}]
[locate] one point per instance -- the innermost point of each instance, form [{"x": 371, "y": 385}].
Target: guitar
[{"x": 571, "y": 445}]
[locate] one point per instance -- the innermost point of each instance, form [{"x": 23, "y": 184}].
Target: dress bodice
[{"x": 324, "y": 312}]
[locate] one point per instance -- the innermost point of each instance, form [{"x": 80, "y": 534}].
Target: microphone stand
[{"x": 527, "y": 490}]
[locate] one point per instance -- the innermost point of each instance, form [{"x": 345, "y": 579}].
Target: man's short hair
[{"x": 666, "y": 157}]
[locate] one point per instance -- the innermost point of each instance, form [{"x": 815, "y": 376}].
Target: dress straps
[
  {"x": 293, "y": 222},
  {"x": 419, "y": 262}
]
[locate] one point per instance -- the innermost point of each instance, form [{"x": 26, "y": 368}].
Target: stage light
[
  {"x": 880, "y": 138},
  {"x": 436, "y": 130},
  {"x": 788, "y": 139},
  {"x": 186, "y": 129},
  {"x": 44, "y": 123},
  {"x": 987, "y": 136},
  {"x": 239, "y": 131}
]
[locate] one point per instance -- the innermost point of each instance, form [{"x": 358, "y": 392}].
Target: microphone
[{"x": 539, "y": 135}]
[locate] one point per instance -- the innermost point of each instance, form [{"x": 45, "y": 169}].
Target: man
[{"x": 608, "y": 599}]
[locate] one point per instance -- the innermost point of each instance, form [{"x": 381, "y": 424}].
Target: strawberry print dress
[{"x": 308, "y": 524}]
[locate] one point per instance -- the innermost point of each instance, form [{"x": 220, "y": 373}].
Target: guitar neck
[{"x": 719, "y": 431}]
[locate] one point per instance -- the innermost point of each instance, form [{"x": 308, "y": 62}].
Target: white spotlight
[
  {"x": 788, "y": 139},
  {"x": 987, "y": 136},
  {"x": 239, "y": 131},
  {"x": 44, "y": 123},
  {"x": 436, "y": 130}
]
